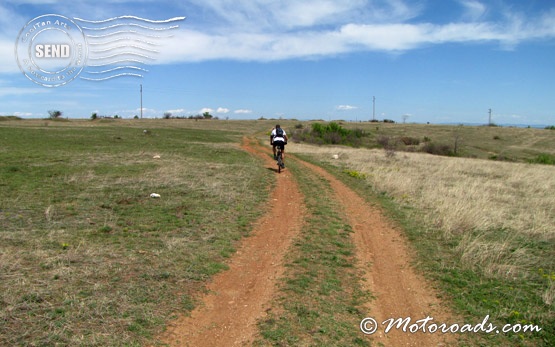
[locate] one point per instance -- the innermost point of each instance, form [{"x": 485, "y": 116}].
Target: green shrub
[
  {"x": 355, "y": 174},
  {"x": 331, "y": 133},
  {"x": 543, "y": 158}
]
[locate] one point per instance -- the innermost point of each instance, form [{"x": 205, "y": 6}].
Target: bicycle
[{"x": 279, "y": 155}]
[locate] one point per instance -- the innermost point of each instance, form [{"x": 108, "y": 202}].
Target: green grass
[
  {"x": 87, "y": 258},
  {"x": 320, "y": 299},
  {"x": 543, "y": 158}
]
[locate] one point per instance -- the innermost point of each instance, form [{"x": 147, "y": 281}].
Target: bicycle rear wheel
[{"x": 279, "y": 161}]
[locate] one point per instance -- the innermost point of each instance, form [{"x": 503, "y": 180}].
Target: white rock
[{"x": 154, "y": 195}]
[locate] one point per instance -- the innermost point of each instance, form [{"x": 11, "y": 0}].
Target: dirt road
[{"x": 240, "y": 296}]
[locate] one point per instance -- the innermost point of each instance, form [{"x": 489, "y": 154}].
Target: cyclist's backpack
[{"x": 279, "y": 132}]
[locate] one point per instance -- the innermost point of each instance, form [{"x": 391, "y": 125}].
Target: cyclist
[{"x": 278, "y": 137}]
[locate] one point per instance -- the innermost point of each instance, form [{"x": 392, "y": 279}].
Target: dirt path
[
  {"x": 238, "y": 297},
  {"x": 383, "y": 253}
]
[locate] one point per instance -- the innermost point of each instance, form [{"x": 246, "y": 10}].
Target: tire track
[
  {"x": 383, "y": 254},
  {"x": 239, "y": 297}
]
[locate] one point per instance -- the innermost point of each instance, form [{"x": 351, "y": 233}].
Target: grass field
[{"x": 88, "y": 258}]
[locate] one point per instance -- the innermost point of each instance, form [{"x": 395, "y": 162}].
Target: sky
[{"x": 419, "y": 61}]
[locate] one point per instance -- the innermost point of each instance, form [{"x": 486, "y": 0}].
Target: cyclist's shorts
[{"x": 280, "y": 144}]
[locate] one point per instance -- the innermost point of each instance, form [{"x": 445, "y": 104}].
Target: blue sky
[{"x": 438, "y": 61}]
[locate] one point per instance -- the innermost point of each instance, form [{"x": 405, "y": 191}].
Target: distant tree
[
  {"x": 55, "y": 114},
  {"x": 207, "y": 115},
  {"x": 94, "y": 116},
  {"x": 167, "y": 115}
]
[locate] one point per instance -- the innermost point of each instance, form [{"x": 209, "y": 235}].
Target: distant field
[
  {"x": 483, "y": 142},
  {"x": 88, "y": 258}
]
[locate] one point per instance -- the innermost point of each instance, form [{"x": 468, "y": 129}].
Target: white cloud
[
  {"x": 242, "y": 111},
  {"x": 474, "y": 9},
  {"x": 23, "y": 114},
  {"x": 222, "y": 110},
  {"x": 189, "y": 45},
  {"x": 294, "y": 14},
  {"x": 340, "y": 27},
  {"x": 261, "y": 30},
  {"x": 176, "y": 111},
  {"x": 346, "y": 107},
  {"x": 206, "y": 109}
]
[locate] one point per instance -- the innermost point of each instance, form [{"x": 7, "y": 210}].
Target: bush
[
  {"x": 436, "y": 149},
  {"x": 410, "y": 141},
  {"x": 385, "y": 141},
  {"x": 331, "y": 133},
  {"x": 543, "y": 158},
  {"x": 355, "y": 174}
]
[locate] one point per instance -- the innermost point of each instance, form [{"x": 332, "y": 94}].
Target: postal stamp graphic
[{"x": 53, "y": 50}]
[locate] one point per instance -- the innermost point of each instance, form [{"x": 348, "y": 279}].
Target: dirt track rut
[{"x": 239, "y": 297}]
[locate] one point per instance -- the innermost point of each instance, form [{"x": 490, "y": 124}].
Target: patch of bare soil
[{"x": 239, "y": 297}]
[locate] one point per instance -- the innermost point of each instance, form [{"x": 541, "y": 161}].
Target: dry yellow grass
[
  {"x": 489, "y": 206},
  {"x": 457, "y": 194}
]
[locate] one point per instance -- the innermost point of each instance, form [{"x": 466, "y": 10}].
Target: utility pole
[
  {"x": 489, "y": 117},
  {"x": 373, "y": 108},
  {"x": 141, "y": 101}
]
